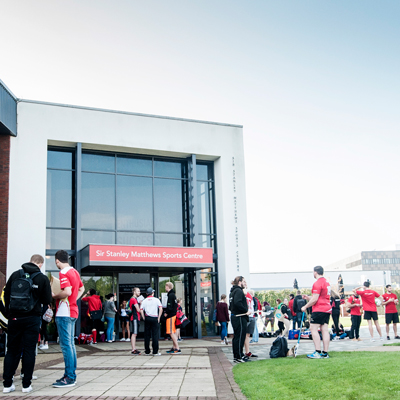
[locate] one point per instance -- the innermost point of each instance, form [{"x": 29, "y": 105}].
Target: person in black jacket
[
  {"x": 239, "y": 318},
  {"x": 23, "y": 327},
  {"x": 170, "y": 315},
  {"x": 298, "y": 302}
]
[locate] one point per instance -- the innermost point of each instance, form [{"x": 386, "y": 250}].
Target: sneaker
[
  {"x": 226, "y": 341},
  {"x": 381, "y": 338},
  {"x": 59, "y": 380},
  {"x": 397, "y": 337},
  {"x": 44, "y": 347},
  {"x": 122, "y": 340},
  {"x": 324, "y": 355},
  {"x": 135, "y": 352},
  {"x": 314, "y": 355},
  {"x": 336, "y": 338},
  {"x": 372, "y": 340},
  {"x": 251, "y": 355},
  {"x": 27, "y": 390},
  {"x": 180, "y": 340},
  {"x": 64, "y": 382},
  {"x": 34, "y": 377},
  {"x": 179, "y": 351},
  {"x": 223, "y": 342},
  {"x": 147, "y": 354},
  {"x": 252, "y": 341},
  {"x": 245, "y": 359},
  {"x": 9, "y": 389},
  {"x": 170, "y": 351},
  {"x": 388, "y": 338},
  {"x": 158, "y": 354},
  {"x": 238, "y": 360}
]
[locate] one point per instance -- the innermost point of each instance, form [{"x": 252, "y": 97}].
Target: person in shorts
[
  {"x": 368, "y": 297},
  {"x": 390, "y": 302},
  {"x": 321, "y": 312},
  {"x": 170, "y": 315},
  {"x": 134, "y": 322},
  {"x": 250, "y": 324}
]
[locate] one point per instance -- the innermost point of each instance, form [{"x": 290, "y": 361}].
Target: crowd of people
[
  {"x": 311, "y": 311},
  {"x": 28, "y": 296}
]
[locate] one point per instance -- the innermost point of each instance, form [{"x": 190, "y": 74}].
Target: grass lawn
[{"x": 346, "y": 375}]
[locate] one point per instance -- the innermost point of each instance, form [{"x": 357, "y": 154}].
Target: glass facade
[
  {"x": 130, "y": 200},
  {"x": 127, "y": 200}
]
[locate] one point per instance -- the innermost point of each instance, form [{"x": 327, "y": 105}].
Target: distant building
[
  {"x": 305, "y": 280},
  {"x": 384, "y": 260}
]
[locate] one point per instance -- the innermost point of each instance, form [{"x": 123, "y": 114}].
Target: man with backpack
[
  {"x": 26, "y": 291},
  {"x": 298, "y": 303}
]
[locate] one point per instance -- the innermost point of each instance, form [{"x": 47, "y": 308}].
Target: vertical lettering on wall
[{"x": 235, "y": 215}]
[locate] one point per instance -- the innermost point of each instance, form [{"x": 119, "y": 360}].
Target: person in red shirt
[
  {"x": 368, "y": 297},
  {"x": 94, "y": 304},
  {"x": 66, "y": 315},
  {"x": 354, "y": 303},
  {"x": 134, "y": 319},
  {"x": 390, "y": 302},
  {"x": 321, "y": 312}
]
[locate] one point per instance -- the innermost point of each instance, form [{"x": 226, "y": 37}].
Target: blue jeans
[
  {"x": 66, "y": 332},
  {"x": 255, "y": 333},
  {"x": 224, "y": 330},
  {"x": 110, "y": 328}
]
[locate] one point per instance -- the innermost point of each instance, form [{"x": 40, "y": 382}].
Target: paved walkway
[{"x": 203, "y": 370}]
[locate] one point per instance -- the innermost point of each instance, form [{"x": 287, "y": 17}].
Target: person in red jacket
[
  {"x": 290, "y": 305},
  {"x": 94, "y": 304}
]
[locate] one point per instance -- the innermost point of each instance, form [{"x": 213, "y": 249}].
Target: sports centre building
[{"x": 136, "y": 200}]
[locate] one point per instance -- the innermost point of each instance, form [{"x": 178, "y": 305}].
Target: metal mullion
[
  {"x": 115, "y": 197},
  {"x": 152, "y": 195}
]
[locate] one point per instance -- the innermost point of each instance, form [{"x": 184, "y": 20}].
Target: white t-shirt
[{"x": 150, "y": 305}]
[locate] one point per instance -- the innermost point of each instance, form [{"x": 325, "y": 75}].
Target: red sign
[
  {"x": 182, "y": 255},
  {"x": 205, "y": 284}
]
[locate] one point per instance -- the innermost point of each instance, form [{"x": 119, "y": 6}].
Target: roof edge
[{"x": 128, "y": 113}]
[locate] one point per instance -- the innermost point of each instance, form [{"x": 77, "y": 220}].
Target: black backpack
[
  {"x": 21, "y": 293},
  {"x": 279, "y": 348},
  {"x": 300, "y": 303}
]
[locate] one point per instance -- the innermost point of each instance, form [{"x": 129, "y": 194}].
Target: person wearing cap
[{"x": 151, "y": 311}]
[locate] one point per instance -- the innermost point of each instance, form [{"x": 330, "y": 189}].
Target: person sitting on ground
[
  {"x": 368, "y": 297},
  {"x": 223, "y": 318}
]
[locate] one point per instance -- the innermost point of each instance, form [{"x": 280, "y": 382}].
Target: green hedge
[{"x": 272, "y": 295}]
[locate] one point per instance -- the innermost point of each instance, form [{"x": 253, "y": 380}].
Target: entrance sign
[{"x": 173, "y": 255}]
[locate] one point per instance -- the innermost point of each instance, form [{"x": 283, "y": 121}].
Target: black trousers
[
  {"x": 335, "y": 318},
  {"x": 23, "y": 335},
  {"x": 239, "y": 325},
  {"x": 151, "y": 330},
  {"x": 355, "y": 325}
]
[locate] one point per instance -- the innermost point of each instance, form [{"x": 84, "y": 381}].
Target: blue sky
[{"x": 315, "y": 84}]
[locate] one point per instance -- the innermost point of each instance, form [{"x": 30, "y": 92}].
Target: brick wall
[{"x": 4, "y": 180}]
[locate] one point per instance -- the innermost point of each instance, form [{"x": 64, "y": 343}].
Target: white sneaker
[
  {"x": 34, "y": 377},
  {"x": 122, "y": 340},
  {"x": 9, "y": 389},
  {"x": 372, "y": 340},
  {"x": 44, "y": 347},
  {"x": 223, "y": 342},
  {"x": 382, "y": 338},
  {"x": 27, "y": 390},
  {"x": 158, "y": 354}
]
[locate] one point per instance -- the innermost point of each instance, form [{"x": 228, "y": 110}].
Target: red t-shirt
[
  {"x": 132, "y": 303},
  {"x": 390, "y": 308},
  {"x": 354, "y": 310},
  {"x": 323, "y": 288},
  {"x": 291, "y": 306},
  {"x": 69, "y": 276},
  {"x": 368, "y": 298},
  {"x": 94, "y": 302}
]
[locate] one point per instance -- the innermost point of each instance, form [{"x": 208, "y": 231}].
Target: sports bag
[
  {"x": 21, "y": 293},
  {"x": 279, "y": 348}
]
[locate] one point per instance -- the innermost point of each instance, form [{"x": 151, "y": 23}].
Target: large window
[
  {"x": 127, "y": 200},
  {"x": 59, "y": 201},
  {"x": 133, "y": 200}
]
